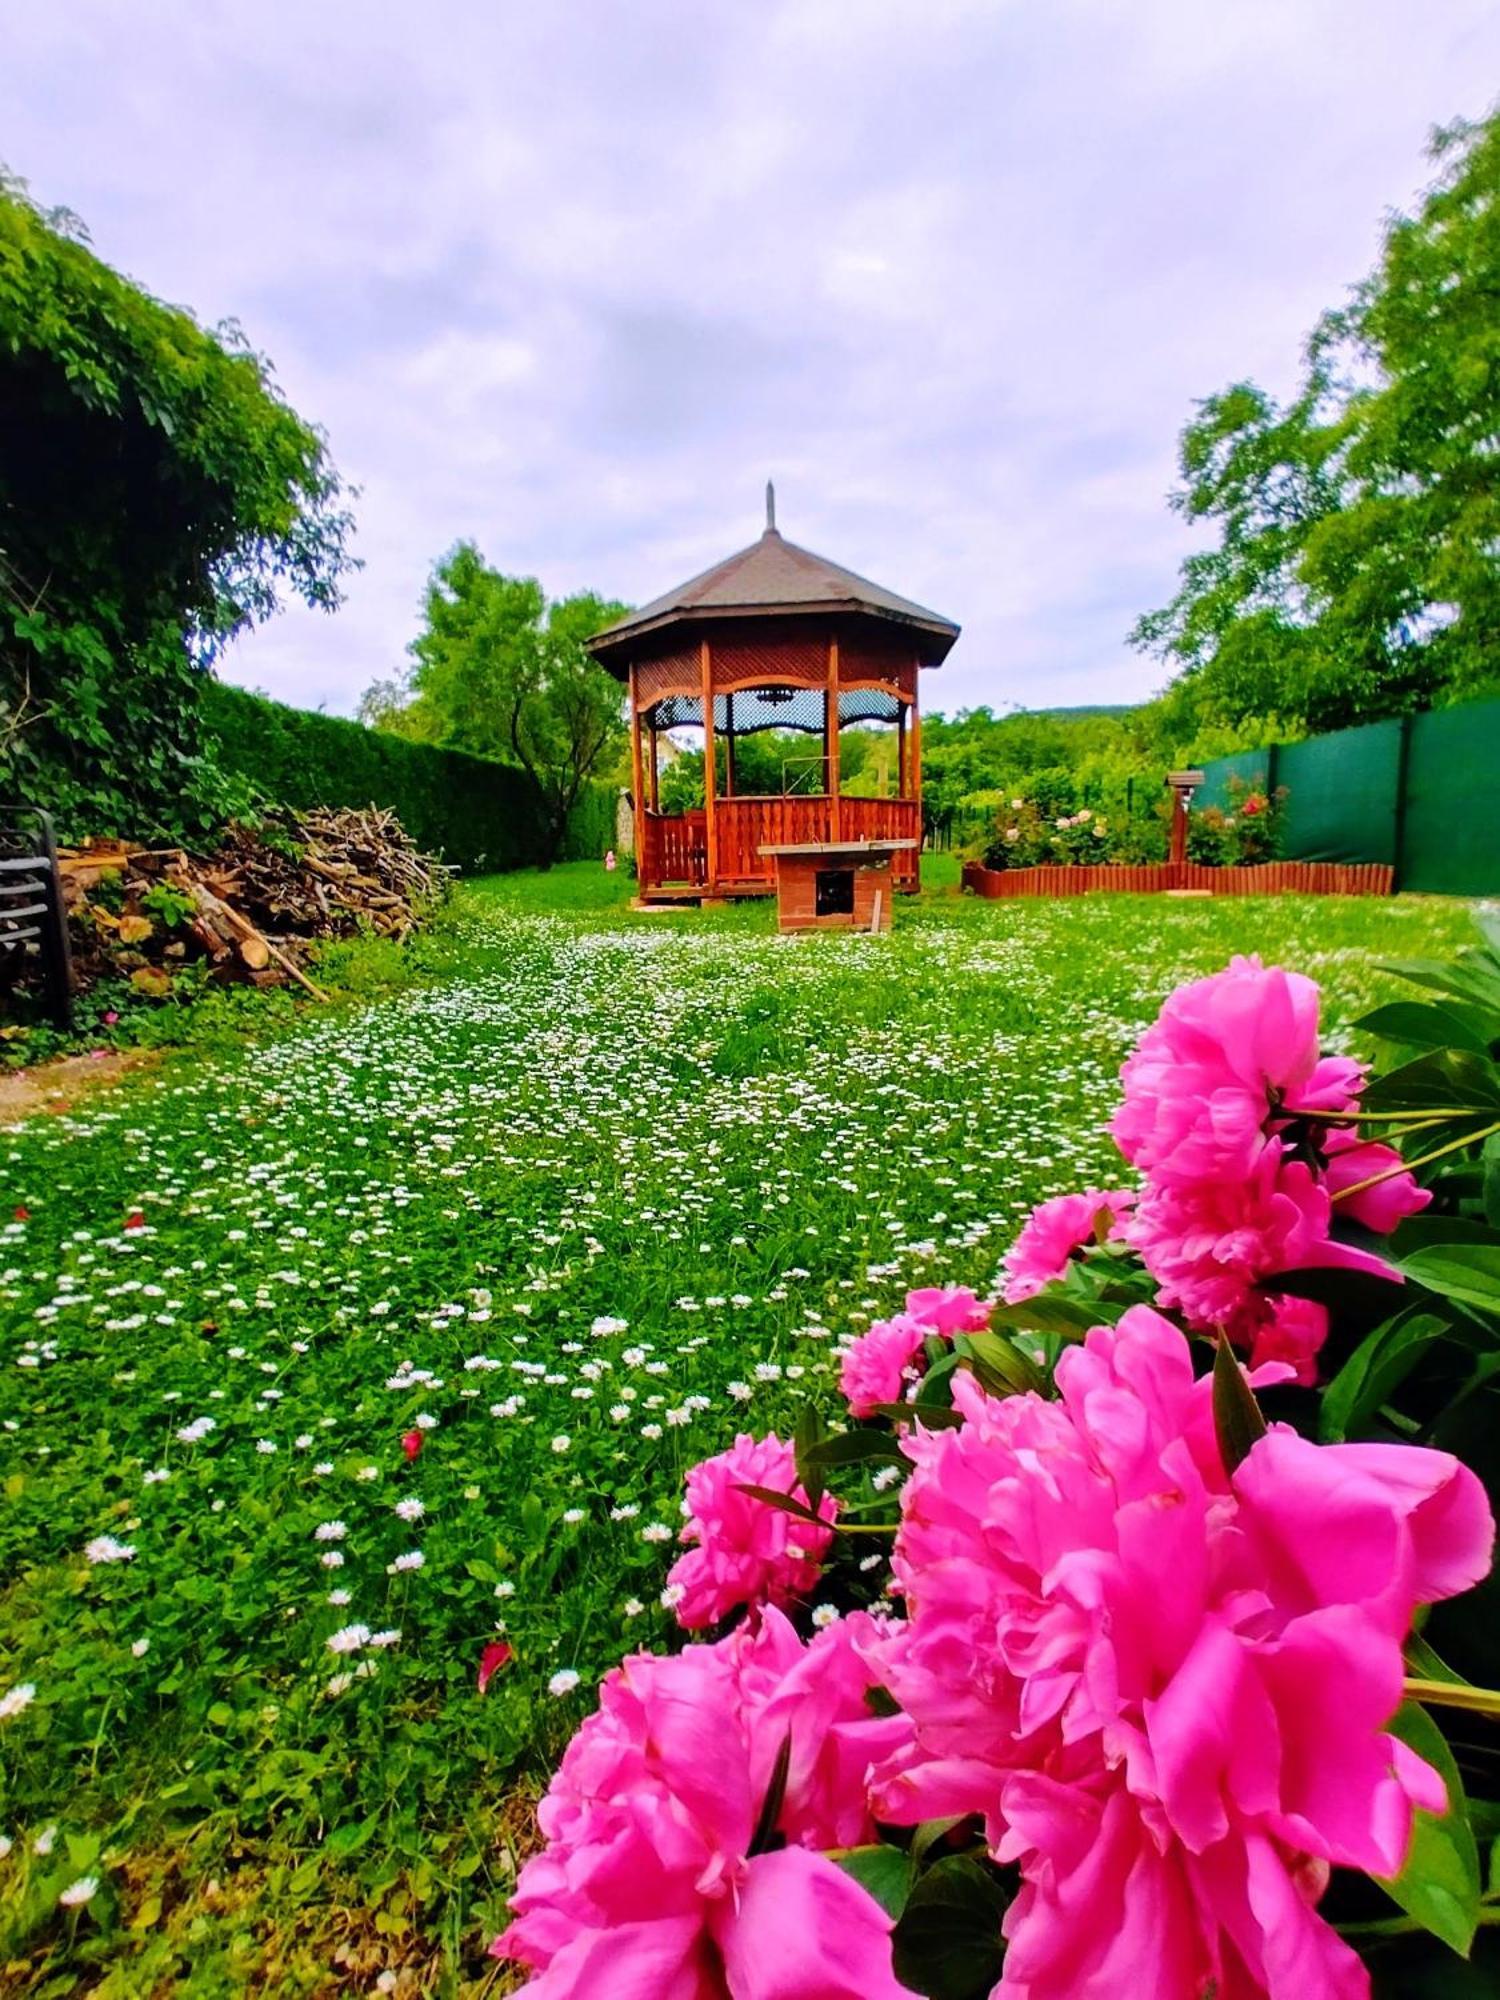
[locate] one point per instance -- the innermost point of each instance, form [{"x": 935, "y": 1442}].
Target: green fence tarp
[
  {"x": 1450, "y": 841},
  {"x": 1420, "y": 792},
  {"x": 1341, "y": 793}
]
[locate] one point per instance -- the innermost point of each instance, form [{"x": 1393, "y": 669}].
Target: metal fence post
[{"x": 1398, "y": 803}]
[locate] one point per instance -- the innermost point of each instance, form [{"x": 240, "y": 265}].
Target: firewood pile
[{"x": 251, "y": 910}]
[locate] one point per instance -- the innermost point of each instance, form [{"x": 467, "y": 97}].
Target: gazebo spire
[{"x": 770, "y": 508}]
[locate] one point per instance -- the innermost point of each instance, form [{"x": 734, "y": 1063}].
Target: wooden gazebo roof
[{"x": 773, "y": 576}]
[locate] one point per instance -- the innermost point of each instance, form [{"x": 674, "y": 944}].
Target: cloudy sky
[{"x": 573, "y": 277}]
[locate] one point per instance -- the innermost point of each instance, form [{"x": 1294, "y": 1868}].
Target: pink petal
[
  {"x": 804, "y": 1930},
  {"x": 653, "y": 1961},
  {"x": 495, "y": 1656}
]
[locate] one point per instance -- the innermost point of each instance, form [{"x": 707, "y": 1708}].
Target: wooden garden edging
[{"x": 1270, "y": 878}]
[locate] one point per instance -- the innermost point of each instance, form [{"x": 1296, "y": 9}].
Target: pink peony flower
[
  {"x": 1352, "y": 1159},
  {"x": 882, "y": 1363},
  {"x": 947, "y": 1309},
  {"x": 748, "y": 1552},
  {"x": 1225, "y": 1057},
  {"x": 1208, "y": 1245},
  {"x": 1286, "y": 1329},
  {"x": 411, "y": 1444},
  {"x": 1165, "y": 1691},
  {"x": 1053, "y": 1232},
  {"x": 647, "y": 1889}
]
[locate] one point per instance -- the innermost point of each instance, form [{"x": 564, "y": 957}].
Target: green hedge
[
  {"x": 477, "y": 814},
  {"x": 592, "y": 825}
]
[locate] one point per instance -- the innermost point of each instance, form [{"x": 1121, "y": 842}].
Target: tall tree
[
  {"x": 500, "y": 672},
  {"x": 1355, "y": 572}
]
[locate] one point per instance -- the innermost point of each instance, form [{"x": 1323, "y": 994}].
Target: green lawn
[{"x": 575, "y": 1212}]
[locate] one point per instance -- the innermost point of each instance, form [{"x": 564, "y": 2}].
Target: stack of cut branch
[
  {"x": 339, "y": 871},
  {"x": 251, "y": 910}
]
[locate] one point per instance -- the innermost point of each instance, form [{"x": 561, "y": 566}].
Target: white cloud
[{"x": 574, "y": 280}]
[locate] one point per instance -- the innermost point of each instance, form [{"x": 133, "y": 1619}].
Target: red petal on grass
[{"x": 495, "y": 1656}]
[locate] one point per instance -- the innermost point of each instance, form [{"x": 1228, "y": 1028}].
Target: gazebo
[{"x": 773, "y": 638}]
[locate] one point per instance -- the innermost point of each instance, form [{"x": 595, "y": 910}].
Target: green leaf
[
  {"x": 1468, "y": 1272},
  {"x": 348, "y": 1839},
  {"x": 931, "y": 1831},
  {"x": 1423, "y": 1663},
  {"x": 1470, "y": 977},
  {"x": 1439, "y": 1885},
  {"x": 770, "y": 1809},
  {"x": 928, "y": 1416},
  {"x": 1445, "y": 1080},
  {"x": 1490, "y": 1171},
  {"x": 1238, "y": 1422},
  {"x": 947, "y": 1942},
  {"x": 852, "y": 1447},
  {"x": 1374, "y": 1371},
  {"x": 882, "y": 1872},
  {"x": 1420, "y": 1025},
  {"x": 1000, "y": 1365},
  {"x": 784, "y": 1501},
  {"x": 935, "y": 1387},
  {"x": 1050, "y": 1311},
  {"x": 804, "y": 1439}
]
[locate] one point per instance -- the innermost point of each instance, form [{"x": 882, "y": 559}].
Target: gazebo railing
[
  {"x": 675, "y": 848},
  {"x": 742, "y": 826}
]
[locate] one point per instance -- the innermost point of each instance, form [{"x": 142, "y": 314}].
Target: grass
[
  {"x": 111, "y": 1017},
  {"x": 598, "y": 1192}
]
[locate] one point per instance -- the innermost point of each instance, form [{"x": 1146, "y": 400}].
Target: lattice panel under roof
[
  {"x": 669, "y": 674},
  {"x": 798, "y": 660},
  {"x": 775, "y": 707},
  {"x": 894, "y": 665}
]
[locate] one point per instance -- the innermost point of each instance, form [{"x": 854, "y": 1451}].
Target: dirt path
[{"x": 58, "y": 1086}]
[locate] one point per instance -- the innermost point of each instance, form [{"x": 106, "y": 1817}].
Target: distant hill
[
  {"x": 1083, "y": 713},
  {"x": 1086, "y": 709}
]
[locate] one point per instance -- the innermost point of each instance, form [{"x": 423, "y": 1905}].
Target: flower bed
[{"x": 1270, "y": 878}]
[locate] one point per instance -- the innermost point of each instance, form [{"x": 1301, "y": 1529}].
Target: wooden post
[
  {"x": 901, "y": 750},
  {"x": 1179, "y": 827},
  {"x": 831, "y": 739},
  {"x": 654, "y": 778},
  {"x": 637, "y": 791},
  {"x": 914, "y": 776},
  {"x": 710, "y": 755},
  {"x": 729, "y": 779}
]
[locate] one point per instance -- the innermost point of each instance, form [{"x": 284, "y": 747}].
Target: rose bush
[{"x": 1046, "y": 830}]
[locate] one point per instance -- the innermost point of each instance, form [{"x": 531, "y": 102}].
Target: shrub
[
  {"x": 1048, "y": 828},
  {"x": 158, "y": 495},
  {"x": 1245, "y": 832},
  {"x": 1027, "y": 835},
  {"x": 479, "y": 815}
]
